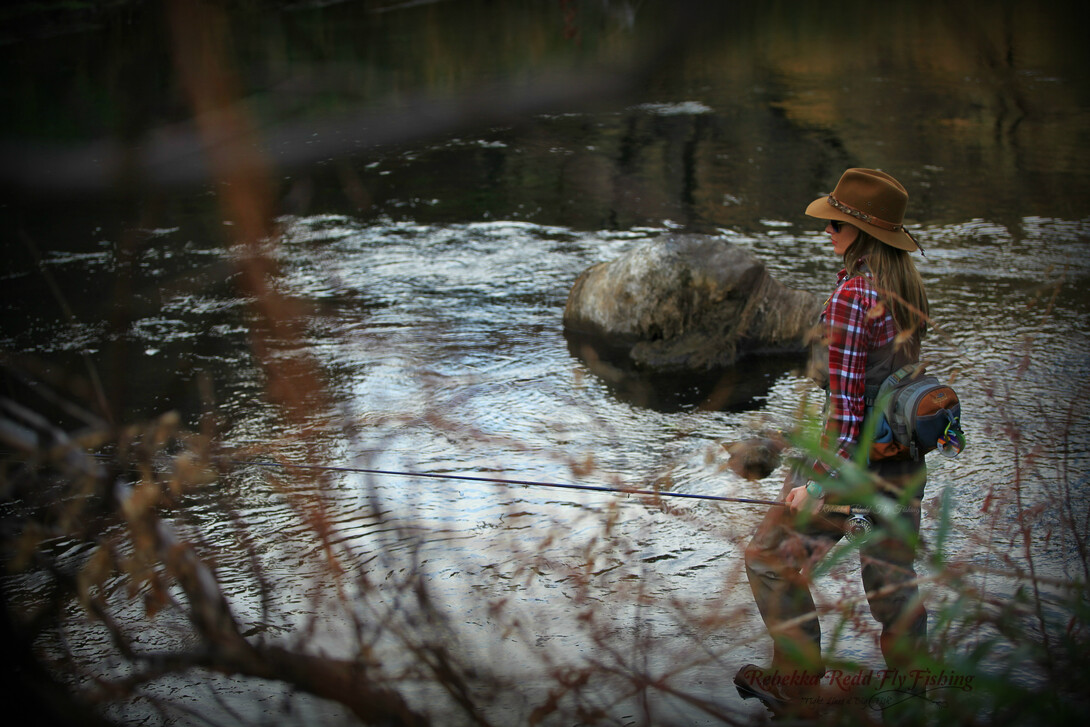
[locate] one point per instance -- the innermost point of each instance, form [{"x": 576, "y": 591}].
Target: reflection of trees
[
  {"x": 786, "y": 116},
  {"x": 917, "y": 87}
]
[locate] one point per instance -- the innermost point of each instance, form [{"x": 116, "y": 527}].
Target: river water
[{"x": 433, "y": 269}]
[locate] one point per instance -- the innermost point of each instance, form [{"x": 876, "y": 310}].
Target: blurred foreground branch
[{"x": 113, "y": 519}]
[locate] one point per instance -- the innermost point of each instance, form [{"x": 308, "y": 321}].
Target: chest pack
[{"x": 913, "y": 413}]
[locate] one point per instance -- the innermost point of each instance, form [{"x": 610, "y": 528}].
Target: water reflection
[
  {"x": 751, "y": 112},
  {"x": 433, "y": 254},
  {"x": 737, "y": 388}
]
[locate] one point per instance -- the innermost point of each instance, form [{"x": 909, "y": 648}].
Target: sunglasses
[{"x": 835, "y": 224}]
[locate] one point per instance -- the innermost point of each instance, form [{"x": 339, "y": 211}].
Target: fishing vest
[{"x": 881, "y": 363}]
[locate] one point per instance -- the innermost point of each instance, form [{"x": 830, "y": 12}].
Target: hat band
[{"x": 863, "y": 216}]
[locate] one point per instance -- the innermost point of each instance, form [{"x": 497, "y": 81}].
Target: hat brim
[{"x": 821, "y": 209}]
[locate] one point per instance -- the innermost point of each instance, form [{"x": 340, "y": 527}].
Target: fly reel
[{"x": 857, "y": 527}]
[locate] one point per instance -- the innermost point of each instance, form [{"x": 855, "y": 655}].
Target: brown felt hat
[{"x": 871, "y": 200}]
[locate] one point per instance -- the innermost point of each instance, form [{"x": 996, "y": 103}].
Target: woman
[{"x": 872, "y": 325}]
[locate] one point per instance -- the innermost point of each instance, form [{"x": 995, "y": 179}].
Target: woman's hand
[{"x": 799, "y": 500}]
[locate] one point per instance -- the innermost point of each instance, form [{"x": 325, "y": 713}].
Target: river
[{"x": 430, "y": 238}]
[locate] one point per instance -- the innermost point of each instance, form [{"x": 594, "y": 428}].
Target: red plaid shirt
[{"x": 853, "y": 328}]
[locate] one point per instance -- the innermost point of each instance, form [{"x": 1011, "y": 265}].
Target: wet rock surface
[{"x": 689, "y": 303}]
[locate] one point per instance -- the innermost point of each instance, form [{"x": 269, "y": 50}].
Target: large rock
[{"x": 690, "y": 303}]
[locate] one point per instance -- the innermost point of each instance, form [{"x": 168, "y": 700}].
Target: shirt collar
[{"x": 843, "y": 274}]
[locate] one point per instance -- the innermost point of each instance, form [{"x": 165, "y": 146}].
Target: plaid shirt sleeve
[{"x": 852, "y": 330}]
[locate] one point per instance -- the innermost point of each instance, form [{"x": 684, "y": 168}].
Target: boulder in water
[{"x": 689, "y": 303}]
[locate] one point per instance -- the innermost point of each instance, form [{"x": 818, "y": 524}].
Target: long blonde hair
[{"x": 898, "y": 283}]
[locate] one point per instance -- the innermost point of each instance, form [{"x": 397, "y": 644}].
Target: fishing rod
[
  {"x": 504, "y": 481},
  {"x": 858, "y": 523},
  {"x": 851, "y": 510},
  {"x": 857, "y": 513}
]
